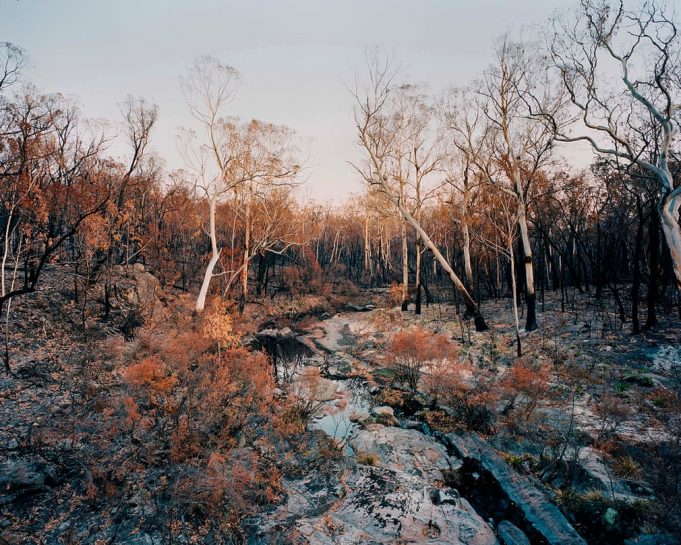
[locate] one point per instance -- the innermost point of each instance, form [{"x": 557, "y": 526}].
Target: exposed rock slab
[{"x": 541, "y": 518}]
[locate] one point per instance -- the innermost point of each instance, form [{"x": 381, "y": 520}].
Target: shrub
[
  {"x": 367, "y": 459},
  {"x": 524, "y": 385},
  {"x": 411, "y": 349},
  {"x": 627, "y": 468},
  {"x": 613, "y": 411}
]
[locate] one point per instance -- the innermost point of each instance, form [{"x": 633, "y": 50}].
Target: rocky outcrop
[
  {"x": 398, "y": 499},
  {"x": 519, "y": 499},
  {"x": 19, "y": 476},
  {"x": 509, "y": 534},
  {"x": 134, "y": 287}
]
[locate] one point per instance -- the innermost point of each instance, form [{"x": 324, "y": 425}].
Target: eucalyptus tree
[
  {"x": 502, "y": 141},
  {"x": 209, "y": 86},
  {"x": 373, "y": 114},
  {"x": 635, "y": 123}
]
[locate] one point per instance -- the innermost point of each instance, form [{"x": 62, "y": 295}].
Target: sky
[{"x": 297, "y": 59}]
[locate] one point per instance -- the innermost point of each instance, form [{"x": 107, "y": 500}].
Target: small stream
[
  {"x": 352, "y": 402},
  {"x": 340, "y": 421}
]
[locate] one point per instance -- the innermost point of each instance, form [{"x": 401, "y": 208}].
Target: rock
[
  {"x": 134, "y": 287},
  {"x": 410, "y": 424},
  {"x": 653, "y": 539},
  {"x": 600, "y": 477},
  {"x": 383, "y": 410},
  {"x": 375, "y": 390},
  {"x": 361, "y": 308},
  {"x": 611, "y": 519},
  {"x": 510, "y": 534},
  {"x": 25, "y": 475},
  {"x": 283, "y": 333},
  {"x": 441, "y": 496},
  {"x": 385, "y": 504},
  {"x": 519, "y": 496},
  {"x": 638, "y": 379}
]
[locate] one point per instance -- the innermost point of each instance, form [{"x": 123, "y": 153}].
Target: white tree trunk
[
  {"x": 470, "y": 302},
  {"x": 201, "y": 300},
  {"x": 247, "y": 245},
  {"x": 405, "y": 267},
  {"x": 669, "y": 213}
]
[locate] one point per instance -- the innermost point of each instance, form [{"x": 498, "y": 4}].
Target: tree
[
  {"x": 636, "y": 125},
  {"x": 372, "y": 120},
  {"x": 208, "y": 87},
  {"x": 516, "y": 144}
]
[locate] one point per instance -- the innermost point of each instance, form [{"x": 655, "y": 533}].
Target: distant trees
[{"x": 465, "y": 191}]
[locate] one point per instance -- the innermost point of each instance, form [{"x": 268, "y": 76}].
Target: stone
[
  {"x": 611, "y": 519},
  {"x": 25, "y": 475},
  {"x": 361, "y": 308},
  {"x": 653, "y": 539},
  {"x": 441, "y": 496},
  {"x": 509, "y": 534},
  {"x": 521, "y": 497},
  {"x": 383, "y": 410}
]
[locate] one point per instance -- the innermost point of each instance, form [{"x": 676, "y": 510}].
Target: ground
[{"x": 391, "y": 473}]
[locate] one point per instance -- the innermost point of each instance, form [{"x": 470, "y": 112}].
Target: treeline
[{"x": 465, "y": 188}]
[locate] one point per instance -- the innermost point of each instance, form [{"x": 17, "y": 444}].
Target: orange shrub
[
  {"x": 411, "y": 349},
  {"x": 524, "y": 385}
]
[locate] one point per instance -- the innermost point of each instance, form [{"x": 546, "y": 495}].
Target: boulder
[
  {"x": 361, "y": 308},
  {"x": 441, "y": 496},
  {"x": 25, "y": 476},
  {"x": 653, "y": 539},
  {"x": 383, "y": 410},
  {"x": 509, "y": 534}
]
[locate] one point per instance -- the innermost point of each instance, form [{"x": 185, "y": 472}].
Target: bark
[
  {"x": 530, "y": 294},
  {"x": 201, "y": 300},
  {"x": 638, "y": 254},
  {"x": 653, "y": 279},
  {"x": 405, "y": 269},
  {"x": 669, "y": 216}
]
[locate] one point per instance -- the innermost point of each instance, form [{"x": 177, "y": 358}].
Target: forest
[{"x": 481, "y": 347}]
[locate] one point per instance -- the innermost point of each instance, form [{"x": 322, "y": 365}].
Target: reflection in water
[{"x": 352, "y": 402}]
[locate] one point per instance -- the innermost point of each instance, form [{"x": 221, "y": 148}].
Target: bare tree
[
  {"x": 12, "y": 62},
  {"x": 517, "y": 141},
  {"x": 636, "y": 125},
  {"x": 374, "y": 130},
  {"x": 208, "y": 87}
]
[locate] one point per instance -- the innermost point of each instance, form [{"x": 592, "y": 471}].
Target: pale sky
[{"x": 296, "y": 58}]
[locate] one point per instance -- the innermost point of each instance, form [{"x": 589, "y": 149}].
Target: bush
[
  {"x": 412, "y": 349},
  {"x": 524, "y": 385}
]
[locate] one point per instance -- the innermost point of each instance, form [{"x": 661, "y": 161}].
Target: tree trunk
[
  {"x": 530, "y": 294},
  {"x": 405, "y": 269},
  {"x": 653, "y": 280},
  {"x": 636, "y": 283},
  {"x": 418, "y": 278},
  {"x": 471, "y": 306},
  {"x": 201, "y": 300}
]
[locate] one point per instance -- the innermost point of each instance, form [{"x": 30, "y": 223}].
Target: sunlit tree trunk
[
  {"x": 215, "y": 256},
  {"x": 405, "y": 267}
]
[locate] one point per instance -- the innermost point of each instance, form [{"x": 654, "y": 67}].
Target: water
[{"x": 353, "y": 402}]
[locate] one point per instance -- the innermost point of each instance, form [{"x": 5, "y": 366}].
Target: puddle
[{"x": 353, "y": 398}]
